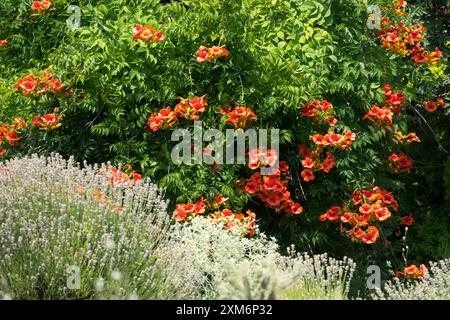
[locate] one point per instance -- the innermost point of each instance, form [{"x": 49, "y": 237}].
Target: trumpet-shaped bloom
[
  {"x": 240, "y": 117},
  {"x": 190, "y": 109},
  {"x": 147, "y": 33},
  {"x": 48, "y": 122},
  {"x": 208, "y": 54},
  {"x": 41, "y": 6}
]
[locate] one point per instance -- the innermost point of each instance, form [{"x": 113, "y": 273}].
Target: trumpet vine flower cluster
[
  {"x": 209, "y": 54},
  {"x": 400, "y": 163},
  {"x": 272, "y": 190},
  {"x": 420, "y": 55},
  {"x": 260, "y": 159},
  {"x": 380, "y": 116},
  {"x": 384, "y": 115},
  {"x": 432, "y": 106},
  {"x": 10, "y": 132},
  {"x": 41, "y": 6},
  {"x": 412, "y": 272},
  {"x": 407, "y": 220},
  {"x": 147, "y": 34},
  {"x": 163, "y": 119},
  {"x": 400, "y": 138},
  {"x": 32, "y": 84},
  {"x": 320, "y": 111},
  {"x": 230, "y": 220},
  {"x": 189, "y": 109},
  {"x": 367, "y": 208},
  {"x": 336, "y": 140},
  {"x": 48, "y": 122},
  {"x": 394, "y": 101},
  {"x": 215, "y": 213},
  {"x": 312, "y": 162},
  {"x": 312, "y": 159},
  {"x": 118, "y": 177},
  {"x": 239, "y": 117},
  {"x": 405, "y": 39},
  {"x": 399, "y": 7}
]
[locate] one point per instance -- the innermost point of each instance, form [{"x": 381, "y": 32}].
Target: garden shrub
[
  {"x": 351, "y": 104},
  {"x": 55, "y": 215}
]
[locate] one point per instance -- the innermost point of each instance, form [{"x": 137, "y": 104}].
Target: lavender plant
[
  {"x": 434, "y": 286},
  {"x": 68, "y": 232},
  {"x": 318, "y": 277},
  {"x": 293, "y": 277}
]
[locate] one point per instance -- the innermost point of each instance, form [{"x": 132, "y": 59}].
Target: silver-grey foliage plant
[
  {"x": 72, "y": 232},
  {"x": 434, "y": 286},
  {"x": 215, "y": 263}
]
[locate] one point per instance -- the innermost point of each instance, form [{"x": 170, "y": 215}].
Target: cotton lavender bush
[
  {"x": 199, "y": 254},
  {"x": 215, "y": 263},
  {"x": 56, "y": 217},
  {"x": 434, "y": 286}
]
